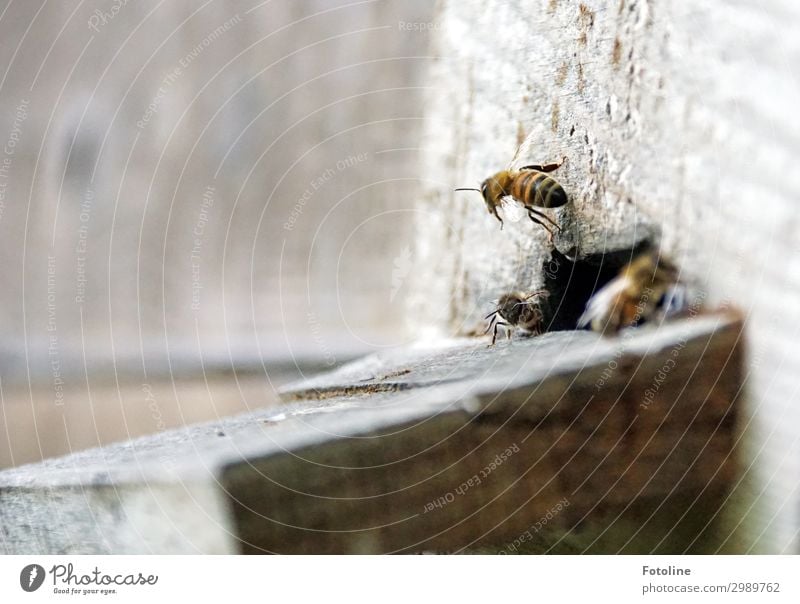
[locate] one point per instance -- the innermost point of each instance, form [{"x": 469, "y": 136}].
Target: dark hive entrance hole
[{"x": 571, "y": 284}]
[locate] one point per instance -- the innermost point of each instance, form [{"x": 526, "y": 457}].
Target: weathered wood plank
[
  {"x": 579, "y": 432},
  {"x": 367, "y": 471}
]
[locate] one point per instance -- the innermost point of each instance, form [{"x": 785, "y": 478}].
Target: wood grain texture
[
  {"x": 580, "y": 430},
  {"x": 678, "y": 123},
  {"x": 385, "y": 471}
]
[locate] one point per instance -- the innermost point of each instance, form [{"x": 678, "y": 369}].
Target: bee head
[{"x": 492, "y": 191}]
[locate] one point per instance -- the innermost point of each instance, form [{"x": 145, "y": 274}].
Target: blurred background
[
  {"x": 198, "y": 202},
  {"x": 201, "y": 201}
]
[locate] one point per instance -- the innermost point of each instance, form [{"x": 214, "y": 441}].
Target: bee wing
[
  {"x": 512, "y": 212},
  {"x": 675, "y": 300},
  {"x": 523, "y": 146},
  {"x": 603, "y": 300}
]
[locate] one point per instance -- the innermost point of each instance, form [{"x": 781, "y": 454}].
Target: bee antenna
[
  {"x": 467, "y": 189},
  {"x": 540, "y": 292}
]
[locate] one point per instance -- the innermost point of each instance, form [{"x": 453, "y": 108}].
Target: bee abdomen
[{"x": 537, "y": 189}]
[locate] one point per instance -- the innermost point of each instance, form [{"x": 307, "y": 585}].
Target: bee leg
[
  {"x": 494, "y": 335},
  {"x": 496, "y": 215},
  {"x": 545, "y": 167},
  {"x": 543, "y": 216},
  {"x": 543, "y": 225}
]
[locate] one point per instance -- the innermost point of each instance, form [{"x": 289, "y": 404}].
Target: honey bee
[
  {"x": 516, "y": 310},
  {"x": 529, "y": 186},
  {"x": 645, "y": 289}
]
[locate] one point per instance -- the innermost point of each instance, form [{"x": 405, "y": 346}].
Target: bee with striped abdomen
[
  {"x": 530, "y": 186},
  {"x": 646, "y": 289},
  {"x": 516, "y": 310}
]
